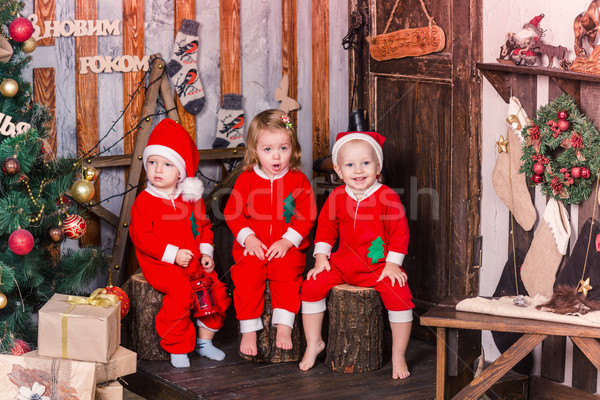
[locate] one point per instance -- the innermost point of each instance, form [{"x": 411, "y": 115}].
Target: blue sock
[
  {"x": 205, "y": 348},
  {"x": 180, "y": 360}
]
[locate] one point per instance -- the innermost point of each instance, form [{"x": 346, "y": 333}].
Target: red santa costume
[
  {"x": 271, "y": 210},
  {"x": 160, "y": 226},
  {"x": 371, "y": 232}
]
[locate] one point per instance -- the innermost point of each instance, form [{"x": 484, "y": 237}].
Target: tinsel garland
[{"x": 561, "y": 150}]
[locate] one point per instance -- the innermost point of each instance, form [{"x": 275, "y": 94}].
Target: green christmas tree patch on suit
[
  {"x": 194, "y": 226},
  {"x": 289, "y": 208},
  {"x": 376, "y": 250}
]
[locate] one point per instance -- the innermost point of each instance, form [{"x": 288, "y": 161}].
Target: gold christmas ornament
[
  {"x": 584, "y": 287},
  {"x": 9, "y": 87},
  {"x": 29, "y": 45},
  {"x": 3, "y": 300},
  {"x": 90, "y": 173},
  {"x": 502, "y": 145},
  {"x": 82, "y": 191}
]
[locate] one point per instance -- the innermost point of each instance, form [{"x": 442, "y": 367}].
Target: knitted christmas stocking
[
  {"x": 230, "y": 122},
  {"x": 183, "y": 67},
  {"x": 508, "y": 287},
  {"x": 573, "y": 271},
  {"x": 549, "y": 245},
  {"x": 506, "y": 171}
]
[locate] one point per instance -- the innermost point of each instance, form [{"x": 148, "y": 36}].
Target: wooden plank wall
[
  {"x": 289, "y": 61},
  {"x": 320, "y": 75},
  {"x": 231, "y": 68},
  {"x": 45, "y": 10},
  {"x": 44, "y": 92},
  {"x": 184, "y": 9}
]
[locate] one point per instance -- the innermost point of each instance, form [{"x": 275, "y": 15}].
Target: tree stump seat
[
  {"x": 141, "y": 320},
  {"x": 355, "y": 339},
  {"x": 266, "y": 349}
]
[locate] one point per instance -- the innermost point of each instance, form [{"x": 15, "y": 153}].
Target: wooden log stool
[
  {"x": 266, "y": 349},
  {"x": 355, "y": 340},
  {"x": 141, "y": 320}
]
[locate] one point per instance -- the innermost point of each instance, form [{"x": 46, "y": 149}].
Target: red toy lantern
[
  {"x": 120, "y": 293},
  {"x": 204, "y": 303}
]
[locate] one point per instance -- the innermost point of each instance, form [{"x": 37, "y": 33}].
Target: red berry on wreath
[
  {"x": 538, "y": 168},
  {"x": 562, "y": 115},
  {"x": 585, "y": 172},
  {"x": 576, "y": 172},
  {"x": 19, "y": 347},
  {"x": 563, "y": 124},
  {"x": 537, "y": 178}
]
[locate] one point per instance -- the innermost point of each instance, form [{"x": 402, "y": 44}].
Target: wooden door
[{"x": 428, "y": 108}]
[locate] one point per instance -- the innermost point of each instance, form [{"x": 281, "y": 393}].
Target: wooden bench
[
  {"x": 448, "y": 321},
  {"x": 355, "y": 339}
]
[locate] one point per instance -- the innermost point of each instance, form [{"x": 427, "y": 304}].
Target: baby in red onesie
[
  {"x": 270, "y": 213},
  {"x": 370, "y": 222},
  {"x": 173, "y": 240}
]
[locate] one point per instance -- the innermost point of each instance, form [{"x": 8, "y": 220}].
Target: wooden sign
[
  {"x": 407, "y": 43},
  {"x": 9, "y": 128},
  {"x": 78, "y": 27}
]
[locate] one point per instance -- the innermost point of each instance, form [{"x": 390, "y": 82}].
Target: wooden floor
[{"x": 236, "y": 378}]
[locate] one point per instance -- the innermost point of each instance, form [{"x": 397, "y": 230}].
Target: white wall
[{"x": 499, "y": 18}]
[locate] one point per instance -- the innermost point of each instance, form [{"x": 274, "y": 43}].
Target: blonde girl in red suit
[{"x": 270, "y": 212}]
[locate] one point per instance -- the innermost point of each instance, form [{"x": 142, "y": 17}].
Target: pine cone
[{"x": 565, "y": 64}]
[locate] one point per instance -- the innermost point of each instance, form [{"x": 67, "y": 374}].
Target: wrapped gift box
[
  {"x": 52, "y": 377},
  {"x": 78, "y": 331},
  {"x": 123, "y": 362},
  {"x": 109, "y": 391}
]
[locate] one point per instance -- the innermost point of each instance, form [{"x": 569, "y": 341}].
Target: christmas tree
[
  {"x": 35, "y": 216},
  {"x": 376, "y": 250},
  {"x": 289, "y": 208}
]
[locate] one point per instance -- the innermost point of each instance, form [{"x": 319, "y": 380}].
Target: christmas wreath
[{"x": 561, "y": 151}]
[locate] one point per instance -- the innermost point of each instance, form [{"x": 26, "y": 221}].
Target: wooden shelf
[{"x": 500, "y": 76}]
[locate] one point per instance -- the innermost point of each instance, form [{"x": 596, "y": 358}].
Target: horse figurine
[{"x": 586, "y": 25}]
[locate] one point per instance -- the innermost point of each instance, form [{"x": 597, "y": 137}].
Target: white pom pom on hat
[
  {"x": 373, "y": 138},
  {"x": 169, "y": 140}
]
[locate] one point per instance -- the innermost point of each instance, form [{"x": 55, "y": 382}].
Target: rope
[{"x": 429, "y": 17}]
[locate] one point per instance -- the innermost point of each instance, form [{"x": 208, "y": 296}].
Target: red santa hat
[
  {"x": 535, "y": 21},
  {"x": 169, "y": 140},
  {"x": 373, "y": 138}
]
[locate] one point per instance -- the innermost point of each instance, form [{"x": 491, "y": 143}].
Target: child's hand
[
  {"x": 395, "y": 273},
  {"x": 183, "y": 257},
  {"x": 207, "y": 263},
  {"x": 279, "y": 249},
  {"x": 254, "y": 247},
  {"x": 321, "y": 264}
]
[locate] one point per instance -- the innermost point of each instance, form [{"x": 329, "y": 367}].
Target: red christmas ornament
[
  {"x": 20, "y": 29},
  {"x": 538, "y": 168},
  {"x": 562, "y": 115},
  {"x": 585, "y": 172},
  {"x": 74, "y": 226},
  {"x": 537, "y": 178},
  {"x": 21, "y": 242},
  {"x": 19, "y": 348},
  {"x": 120, "y": 293},
  {"x": 576, "y": 172},
  {"x": 563, "y": 124}
]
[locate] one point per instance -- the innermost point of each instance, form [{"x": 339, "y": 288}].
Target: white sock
[
  {"x": 205, "y": 348},
  {"x": 180, "y": 360}
]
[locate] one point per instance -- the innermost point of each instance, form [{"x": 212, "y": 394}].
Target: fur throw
[{"x": 566, "y": 300}]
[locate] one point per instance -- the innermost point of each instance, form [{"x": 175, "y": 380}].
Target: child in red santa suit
[
  {"x": 370, "y": 222},
  {"x": 173, "y": 240},
  {"x": 270, "y": 212}
]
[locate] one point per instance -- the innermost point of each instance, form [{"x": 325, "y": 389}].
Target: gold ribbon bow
[{"x": 98, "y": 298}]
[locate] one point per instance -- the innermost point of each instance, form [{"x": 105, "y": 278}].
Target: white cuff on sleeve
[
  {"x": 208, "y": 249},
  {"x": 284, "y": 317},
  {"x": 250, "y": 325},
  {"x": 243, "y": 234},
  {"x": 396, "y": 258},
  {"x": 399, "y": 317},
  {"x": 314, "y": 307},
  {"x": 293, "y": 237},
  {"x": 170, "y": 254},
  {"x": 322, "y": 248}
]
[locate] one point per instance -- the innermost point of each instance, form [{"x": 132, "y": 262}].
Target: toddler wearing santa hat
[
  {"x": 173, "y": 240},
  {"x": 370, "y": 222}
]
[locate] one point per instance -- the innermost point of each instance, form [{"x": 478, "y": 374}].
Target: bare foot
[
  {"x": 400, "y": 369},
  {"x": 310, "y": 355},
  {"x": 284, "y": 337},
  {"x": 248, "y": 344}
]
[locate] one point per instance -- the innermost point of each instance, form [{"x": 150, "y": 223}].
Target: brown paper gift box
[
  {"x": 109, "y": 391},
  {"x": 123, "y": 362},
  {"x": 51, "y": 377},
  {"x": 78, "y": 332}
]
